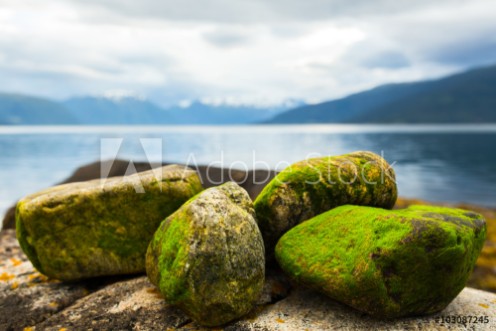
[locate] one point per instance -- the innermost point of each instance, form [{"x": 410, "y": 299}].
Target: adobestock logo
[{"x": 318, "y": 168}]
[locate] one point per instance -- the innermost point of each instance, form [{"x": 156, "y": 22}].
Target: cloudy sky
[{"x": 240, "y": 51}]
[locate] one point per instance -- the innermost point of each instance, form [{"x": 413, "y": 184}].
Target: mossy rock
[
  {"x": 95, "y": 228},
  {"x": 386, "y": 263},
  {"x": 208, "y": 257},
  {"x": 311, "y": 187}
]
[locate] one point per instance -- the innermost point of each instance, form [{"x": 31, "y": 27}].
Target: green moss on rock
[
  {"x": 310, "y": 187},
  {"x": 96, "y": 228},
  {"x": 385, "y": 263},
  {"x": 208, "y": 257}
]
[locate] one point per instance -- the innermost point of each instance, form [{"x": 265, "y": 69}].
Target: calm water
[{"x": 438, "y": 163}]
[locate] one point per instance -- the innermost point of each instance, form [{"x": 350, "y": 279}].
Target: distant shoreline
[{"x": 291, "y": 128}]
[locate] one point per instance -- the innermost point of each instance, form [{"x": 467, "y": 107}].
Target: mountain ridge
[
  {"x": 466, "y": 97},
  {"x": 18, "y": 109}
]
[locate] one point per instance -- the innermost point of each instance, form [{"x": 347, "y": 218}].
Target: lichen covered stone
[
  {"x": 208, "y": 257},
  {"x": 385, "y": 263},
  {"x": 311, "y": 187},
  {"x": 99, "y": 228}
]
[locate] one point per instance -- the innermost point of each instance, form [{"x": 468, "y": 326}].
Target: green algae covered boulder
[
  {"x": 208, "y": 257},
  {"x": 385, "y": 263},
  {"x": 98, "y": 228},
  {"x": 311, "y": 187}
]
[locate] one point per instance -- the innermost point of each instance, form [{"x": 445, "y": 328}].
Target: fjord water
[{"x": 451, "y": 163}]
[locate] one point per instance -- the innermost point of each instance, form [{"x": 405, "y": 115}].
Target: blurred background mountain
[
  {"x": 468, "y": 97},
  {"x": 18, "y": 109}
]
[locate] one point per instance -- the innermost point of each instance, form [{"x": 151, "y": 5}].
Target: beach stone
[
  {"x": 88, "y": 229},
  {"x": 484, "y": 275},
  {"x": 311, "y": 187},
  {"x": 208, "y": 257},
  {"x": 385, "y": 263}
]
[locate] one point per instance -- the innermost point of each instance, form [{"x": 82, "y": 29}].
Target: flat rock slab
[
  {"x": 26, "y": 296},
  {"x": 29, "y": 300},
  {"x": 308, "y": 310},
  {"x": 128, "y": 305}
]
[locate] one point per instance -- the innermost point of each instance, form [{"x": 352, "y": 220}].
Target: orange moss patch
[
  {"x": 5, "y": 277},
  {"x": 15, "y": 262}
]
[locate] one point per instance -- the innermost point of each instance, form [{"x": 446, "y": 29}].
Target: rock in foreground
[
  {"x": 88, "y": 229},
  {"x": 311, "y": 187},
  {"x": 386, "y": 263},
  {"x": 208, "y": 257}
]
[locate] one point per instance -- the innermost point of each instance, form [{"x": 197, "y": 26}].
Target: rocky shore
[{"x": 31, "y": 301}]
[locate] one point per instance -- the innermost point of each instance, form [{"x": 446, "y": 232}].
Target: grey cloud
[
  {"x": 452, "y": 40},
  {"x": 242, "y": 11},
  {"x": 387, "y": 60},
  {"x": 466, "y": 52},
  {"x": 377, "y": 53},
  {"x": 226, "y": 37}
]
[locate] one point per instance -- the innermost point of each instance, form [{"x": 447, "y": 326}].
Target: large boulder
[
  {"x": 388, "y": 264},
  {"x": 208, "y": 257},
  {"x": 484, "y": 274},
  {"x": 95, "y": 228},
  {"x": 310, "y": 187}
]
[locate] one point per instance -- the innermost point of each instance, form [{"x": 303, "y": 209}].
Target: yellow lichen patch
[
  {"x": 62, "y": 329},
  {"x": 53, "y": 304},
  {"x": 483, "y": 305},
  {"x": 278, "y": 320},
  {"x": 5, "y": 277},
  {"x": 14, "y": 285},
  {"x": 15, "y": 262},
  {"x": 28, "y": 329}
]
